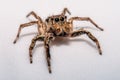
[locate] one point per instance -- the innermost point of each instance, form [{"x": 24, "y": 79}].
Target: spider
[{"x": 53, "y": 27}]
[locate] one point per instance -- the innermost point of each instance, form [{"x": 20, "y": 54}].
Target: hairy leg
[
  {"x": 81, "y": 32},
  {"x": 32, "y": 45},
  {"x": 22, "y": 26},
  {"x": 65, "y": 10},
  {"x": 47, "y": 40},
  {"x": 84, "y": 19},
  {"x": 41, "y": 24},
  {"x": 35, "y": 15}
]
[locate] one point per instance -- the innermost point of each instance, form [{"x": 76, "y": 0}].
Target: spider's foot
[
  {"x": 101, "y": 29},
  {"x": 14, "y": 41},
  {"x": 29, "y": 14},
  {"x": 49, "y": 70},
  {"x": 31, "y": 62},
  {"x": 100, "y": 52}
]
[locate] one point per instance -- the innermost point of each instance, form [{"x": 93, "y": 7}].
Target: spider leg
[
  {"x": 66, "y": 10},
  {"x": 81, "y": 32},
  {"x": 32, "y": 45},
  {"x": 22, "y": 26},
  {"x": 35, "y": 15},
  {"x": 47, "y": 40},
  {"x": 41, "y": 25},
  {"x": 84, "y": 19}
]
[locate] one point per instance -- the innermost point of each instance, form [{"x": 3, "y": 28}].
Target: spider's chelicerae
[{"x": 56, "y": 26}]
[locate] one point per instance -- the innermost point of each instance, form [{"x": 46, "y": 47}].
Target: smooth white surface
[{"x": 75, "y": 59}]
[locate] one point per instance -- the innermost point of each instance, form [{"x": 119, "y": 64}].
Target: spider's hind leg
[{"x": 94, "y": 39}]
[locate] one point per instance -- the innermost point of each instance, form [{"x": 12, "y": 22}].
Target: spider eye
[
  {"x": 62, "y": 19},
  {"x": 56, "y": 19},
  {"x": 47, "y": 20},
  {"x": 51, "y": 18},
  {"x": 65, "y": 17}
]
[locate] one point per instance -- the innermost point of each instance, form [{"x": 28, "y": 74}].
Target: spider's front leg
[
  {"x": 84, "y": 19},
  {"x": 32, "y": 45},
  {"x": 39, "y": 25},
  {"x": 23, "y": 26},
  {"x": 66, "y": 10},
  {"x": 81, "y": 32},
  {"x": 35, "y": 15},
  {"x": 47, "y": 40}
]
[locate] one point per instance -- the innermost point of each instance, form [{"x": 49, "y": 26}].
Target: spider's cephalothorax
[{"x": 56, "y": 26}]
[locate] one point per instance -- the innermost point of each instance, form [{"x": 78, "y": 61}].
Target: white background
[{"x": 74, "y": 59}]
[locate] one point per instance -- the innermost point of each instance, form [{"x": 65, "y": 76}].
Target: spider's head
[
  {"x": 57, "y": 22},
  {"x": 56, "y": 19}
]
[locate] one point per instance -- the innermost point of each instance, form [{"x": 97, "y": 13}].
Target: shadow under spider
[
  {"x": 27, "y": 34},
  {"x": 85, "y": 27}
]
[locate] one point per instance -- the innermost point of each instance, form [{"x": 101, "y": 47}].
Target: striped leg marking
[
  {"x": 47, "y": 40},
  {"x": 32, "y": 45}
]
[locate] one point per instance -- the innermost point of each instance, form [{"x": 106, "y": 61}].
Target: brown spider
[{"x": 56, "y": 26}]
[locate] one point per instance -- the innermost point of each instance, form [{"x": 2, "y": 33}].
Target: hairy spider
[{"x": 56, "y": 26}]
